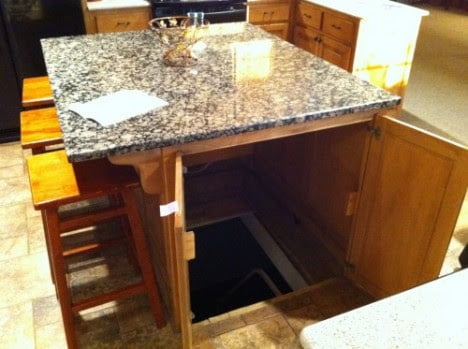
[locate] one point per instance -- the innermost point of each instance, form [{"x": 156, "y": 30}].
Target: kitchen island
[{"x": 294, "y": 137}]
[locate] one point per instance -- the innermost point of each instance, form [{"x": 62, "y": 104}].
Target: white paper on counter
[{"x": 117, "y": 106}]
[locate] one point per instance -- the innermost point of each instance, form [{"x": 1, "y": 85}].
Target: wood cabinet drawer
[
  {"x": 307, "y": 39},
  {"x": 117, "y": 22},
  {"x": 269, "y": 14},
  {"x": 340, "y": 27},
  {"x": 309, "y": 15},
  {"x": 335, "y": 52}
]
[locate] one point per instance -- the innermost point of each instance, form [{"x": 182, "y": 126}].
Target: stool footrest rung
[
  {"x": 87, "y": 219},
  {"x": 110, "y": 296},
  {"x": 95, "y": 246}
]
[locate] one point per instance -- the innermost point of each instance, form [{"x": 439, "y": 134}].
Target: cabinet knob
[
  {"x": 336, "y": 26},
  {"x": 306, "y": 15}
]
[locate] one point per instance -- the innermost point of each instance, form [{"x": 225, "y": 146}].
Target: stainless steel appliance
[
  {"x": 22, "y": 24},
  {"x": 216, "y": 11}
]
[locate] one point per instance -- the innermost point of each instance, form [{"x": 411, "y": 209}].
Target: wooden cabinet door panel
[
  {"x": 306, "y": 39},
  {"x": 411, "y": 195},
  {"x": 174, "y": 228},
  {"x": 335, "y": 52},
  {"x": 309, "y": 15},
  {"x": 278, "y": 29}
]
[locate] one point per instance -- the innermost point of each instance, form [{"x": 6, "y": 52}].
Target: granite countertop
[
  {"x": 245, "y": 80},
  {"x": 429, "y": 316},
  {"x": 370, "y": 9},
  {"x": 116, "y": 4}
]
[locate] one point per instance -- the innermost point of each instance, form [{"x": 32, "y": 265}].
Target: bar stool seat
[
  {"x": 37, "y": 92},
  {"x": 56, "y": 182},
  {"x": 40, "y": 128}
]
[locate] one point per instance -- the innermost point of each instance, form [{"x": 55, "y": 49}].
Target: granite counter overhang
[{"x": 246, "y": 80}]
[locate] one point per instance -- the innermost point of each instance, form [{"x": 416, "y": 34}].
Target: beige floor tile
[
  {"x": 150, "y": 337},
  {"x": 36, "y": 238},
  {"x": 51, "y": 336},
  {"x": 25, "y": 278},
  {"x": 13, "y": 247},
  {"x": 31, "y": 211},
  {"x": 14, "y": 190},
  {"x": 271, "y": 333},
  {"x": 46, "y": 311},
  {"x": 12, "y": 221},
  {"x": 201, "y": 339},
  {"x": 12, "y": 171},
  {"x": 11, "y": 154},
  {"x": 16, "y": 327}
]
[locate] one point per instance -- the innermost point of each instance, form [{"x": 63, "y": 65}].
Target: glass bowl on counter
[{"x": 180, "y": 33}]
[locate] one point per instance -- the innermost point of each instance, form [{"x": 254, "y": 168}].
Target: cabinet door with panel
[
  {"x": 181, "y": 242},
  {"x": 411, "y": 196}
]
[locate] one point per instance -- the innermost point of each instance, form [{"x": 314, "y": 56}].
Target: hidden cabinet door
[
  {"x": 412, "y": 190},
  {"x": 181, "y": 242}
]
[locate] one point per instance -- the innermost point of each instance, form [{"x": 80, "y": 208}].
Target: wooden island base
[{"x": 381, "y": 196}]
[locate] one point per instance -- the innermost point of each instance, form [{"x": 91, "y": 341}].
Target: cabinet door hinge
[
  {"x": 351, "y": 205},
  {"x": 374, "y": 131},
  {"x": 189, "y": 245}
]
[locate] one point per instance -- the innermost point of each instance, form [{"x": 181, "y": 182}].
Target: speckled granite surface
[
  {"x": 429, "y": 316},
  {"x": 245, "y": 80}
]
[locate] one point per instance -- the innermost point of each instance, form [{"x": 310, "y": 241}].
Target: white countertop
[
  {"x": 433, "y": 315},
  {"x": 116, "y": 4},
  {"x": 371, "y": 8}
]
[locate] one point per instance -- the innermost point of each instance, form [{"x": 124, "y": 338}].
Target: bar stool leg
[
  {"x": 143, "y": 256},
  {"x": 56, "y": 250},
  {"x": 46, "y": 236}
]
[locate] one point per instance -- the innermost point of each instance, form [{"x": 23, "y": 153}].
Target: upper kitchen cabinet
[
  {"x": 372, "y": 40},
  {"x": 270, "y": 15},
  {"x": 108, "y": 16}
]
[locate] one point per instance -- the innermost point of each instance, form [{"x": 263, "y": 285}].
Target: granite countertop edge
[{"x": 82, "y": 155}]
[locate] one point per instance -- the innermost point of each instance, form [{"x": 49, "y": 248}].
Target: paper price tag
[{"x": 167, "y": 209}]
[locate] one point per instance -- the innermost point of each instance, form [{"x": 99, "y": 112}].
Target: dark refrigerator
[{"x": 22, "y": 24}]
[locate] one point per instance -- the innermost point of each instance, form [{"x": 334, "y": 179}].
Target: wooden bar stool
[
  {"x": 55, "y": 182},
  {"x": 37, "y": 92},
  {"x": 40, "y": 128}
]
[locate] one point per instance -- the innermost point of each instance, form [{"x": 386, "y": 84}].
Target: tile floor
[{"x": 30, "y": 316}]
